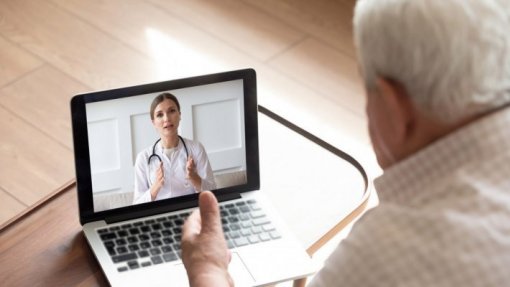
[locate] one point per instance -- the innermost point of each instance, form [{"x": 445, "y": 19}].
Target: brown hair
[{"x": 160, "y": 98}]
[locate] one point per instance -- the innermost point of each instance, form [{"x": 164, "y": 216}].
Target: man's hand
[{"x": 204, "y": 250}]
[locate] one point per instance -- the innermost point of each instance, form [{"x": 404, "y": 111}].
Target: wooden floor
[{"x": 50, "y": 50}]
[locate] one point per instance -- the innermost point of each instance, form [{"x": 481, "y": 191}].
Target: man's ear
[{"x": 399, "y": 106}]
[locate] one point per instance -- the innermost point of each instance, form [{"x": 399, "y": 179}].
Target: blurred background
[{"x": 51, "y": 50}]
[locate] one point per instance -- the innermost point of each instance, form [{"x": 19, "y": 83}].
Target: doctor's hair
[
  {"x": 452, "y": 57},
  {"x": 160, "y": 98}
]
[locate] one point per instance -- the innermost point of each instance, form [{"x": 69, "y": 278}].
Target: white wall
[{"x": 119, "y": 129}]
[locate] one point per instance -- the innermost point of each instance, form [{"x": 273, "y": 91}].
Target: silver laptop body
[{"x": 139, "y": 244}]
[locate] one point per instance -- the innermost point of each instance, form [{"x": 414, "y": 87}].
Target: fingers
[
  {"x": 161, "y": 174},
  {"x": 191, "y": 227},
  {"x": 190, "y": 164},
  {"x": 160, "y": 170},
  {"x": 209, "y": 212}
]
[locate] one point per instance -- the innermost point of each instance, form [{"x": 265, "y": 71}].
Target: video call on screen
[{"x": 120, "y": 129}]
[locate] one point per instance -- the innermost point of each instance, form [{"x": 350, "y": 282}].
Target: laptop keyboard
[{"x": 158, "y": 240}]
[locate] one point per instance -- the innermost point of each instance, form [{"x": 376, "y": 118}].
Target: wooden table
[{"x": 45, "y": 245}]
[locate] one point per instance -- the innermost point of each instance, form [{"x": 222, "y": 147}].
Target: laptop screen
[{"x": 166, "y": 141}]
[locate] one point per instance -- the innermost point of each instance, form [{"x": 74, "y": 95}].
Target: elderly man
[{"x": 437, "y": 78}]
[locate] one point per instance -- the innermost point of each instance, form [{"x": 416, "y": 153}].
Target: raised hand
[{"x": 160, "y": 181}]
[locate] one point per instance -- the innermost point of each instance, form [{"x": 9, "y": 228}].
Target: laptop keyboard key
[
  {"x": 169, "y": 257},
  {"x": 245, "y": 232},
  {"x": 256, "y": 229},
  {"x": 275, "y": 234},
  {"x": 108, "y": 236},
  {"x": 268, "y": 227},
  {"x": 115, "y": 228},
  {"x": 168, "y": 240},
  {"x": 111, "y": 251},
  {"x": 264, "y": 237},
  {"x": 133, "y": 264},
  {"x": 156, "y": 243},
  {"x": 124, "y": 257},
  {"x": 253, "y": 239},
  {"x": 156, "y": 259},
  {"x": 122, "y": 269},
  {"x": 143, "y": 253},
  {"x": 234, "y": 234},
  {"x": 132, "y": 239},
  {"x": 109, "y": 244},
  {"x": 260, "y": 221},
  {"x": 230, "y": 244},
  {"x": 133, "y": 247},
  {"x": 258, "y": 214},
  {"x": 126, "y": 226},
  {"x": 155, "y": 251},
  {"x": 176, "y": 246},
  {"x": 242, "y": 241}
]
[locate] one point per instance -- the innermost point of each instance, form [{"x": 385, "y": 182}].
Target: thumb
[{"x": 209, "y": 212}]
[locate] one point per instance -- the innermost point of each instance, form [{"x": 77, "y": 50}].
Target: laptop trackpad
[{"x": 239, "y": 272}]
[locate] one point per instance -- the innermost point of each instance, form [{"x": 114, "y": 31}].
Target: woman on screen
[{"x": 173, "y": 166}]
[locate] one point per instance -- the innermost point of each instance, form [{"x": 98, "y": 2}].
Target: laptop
[{"x": 137, "y": 242}]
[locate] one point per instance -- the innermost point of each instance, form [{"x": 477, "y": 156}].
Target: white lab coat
[{"x": 174, "y": 169}]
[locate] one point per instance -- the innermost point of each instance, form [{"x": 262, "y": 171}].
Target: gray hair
[{"x": 452, "y": 56}]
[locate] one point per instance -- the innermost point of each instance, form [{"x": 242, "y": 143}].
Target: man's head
[{"x": 430, "y": 66}]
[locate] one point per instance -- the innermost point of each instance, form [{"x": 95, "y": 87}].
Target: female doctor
[{"x": 174, "y": 165}]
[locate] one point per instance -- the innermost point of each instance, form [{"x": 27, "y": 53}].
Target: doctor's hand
[
  {"x": 191, "y": 174},
  {"x": 204, "y": 250},
  {"x": 158, "y": 183}
]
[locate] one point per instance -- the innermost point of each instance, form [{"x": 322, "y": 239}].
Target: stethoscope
[{"x": 154, "y": 155}]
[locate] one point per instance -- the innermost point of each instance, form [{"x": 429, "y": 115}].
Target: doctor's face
[{"x": 166, "y": 118}]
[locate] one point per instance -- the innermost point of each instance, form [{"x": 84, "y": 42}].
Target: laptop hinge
[{"x": 164, "y": 209}]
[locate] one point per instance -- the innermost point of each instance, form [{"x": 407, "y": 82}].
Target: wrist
[
  {"x": 154, "y": 192},
  {"x": 210, "y": 275},
  {"x": 196, "y": 180}
]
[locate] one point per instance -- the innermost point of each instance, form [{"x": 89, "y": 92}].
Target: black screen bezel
[{"x": 82, "y": 156}]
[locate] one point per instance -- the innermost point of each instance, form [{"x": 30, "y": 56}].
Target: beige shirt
[{"x": 443, "y": 218}]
